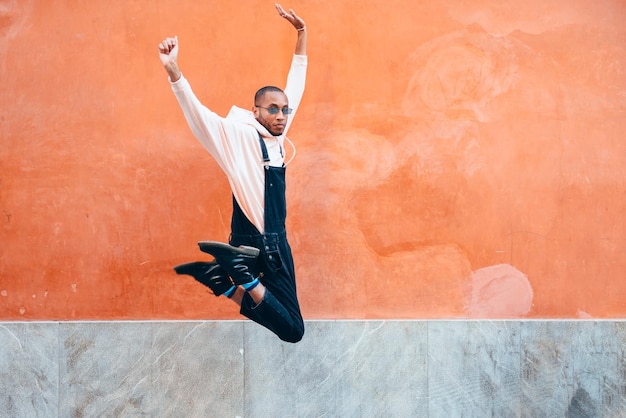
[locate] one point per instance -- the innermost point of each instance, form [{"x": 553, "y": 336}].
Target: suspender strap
[{"x": 266, "y": 157}]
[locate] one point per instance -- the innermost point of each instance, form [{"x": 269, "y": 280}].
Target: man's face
[{"x": 272, "y": 102}]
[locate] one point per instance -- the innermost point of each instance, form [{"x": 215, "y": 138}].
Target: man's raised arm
[{"x": 297, "y": 23}]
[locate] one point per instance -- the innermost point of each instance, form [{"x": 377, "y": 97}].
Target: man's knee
[{"x": 294, "y": 336}]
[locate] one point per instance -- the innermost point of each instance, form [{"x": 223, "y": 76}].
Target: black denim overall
[{"x": 279, "y": 311}]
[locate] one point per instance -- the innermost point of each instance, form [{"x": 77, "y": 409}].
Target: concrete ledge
[{"x": 340, "y": 369}]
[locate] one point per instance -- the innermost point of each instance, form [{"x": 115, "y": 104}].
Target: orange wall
[{"x": 455, "y": 159}]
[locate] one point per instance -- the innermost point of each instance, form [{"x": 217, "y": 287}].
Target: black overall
[{"x": 279, "y": 310}]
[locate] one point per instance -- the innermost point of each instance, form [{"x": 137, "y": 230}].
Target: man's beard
[{"x": 266, "y": 126}]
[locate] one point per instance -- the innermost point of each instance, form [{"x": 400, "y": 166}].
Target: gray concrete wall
[{"x": 340, "y": 369}]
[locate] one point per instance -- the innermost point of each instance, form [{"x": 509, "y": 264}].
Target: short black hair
[{"x": 260, "y": 92}]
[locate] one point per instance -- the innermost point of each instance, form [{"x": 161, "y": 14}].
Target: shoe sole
[
  {"x": 182, "y": 268},
  {"x": 206, "y": 246}
]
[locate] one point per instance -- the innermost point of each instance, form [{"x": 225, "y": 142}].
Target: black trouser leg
[
  {"x": 279, "y": 311},
  {"x": 271, "y": 314}
]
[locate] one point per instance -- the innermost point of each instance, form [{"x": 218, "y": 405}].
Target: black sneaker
[
  {"x": 237, "y": 261},
  {"x": 209, "y": 274}
]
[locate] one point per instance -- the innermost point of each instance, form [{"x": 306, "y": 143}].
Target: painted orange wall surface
[{"x": 454, "y": 159}]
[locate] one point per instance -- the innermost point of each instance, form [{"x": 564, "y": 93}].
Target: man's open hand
[{"x": 291, "y": 16}]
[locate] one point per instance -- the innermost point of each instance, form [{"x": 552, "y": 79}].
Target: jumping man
[{"x": 255, "y": 270}]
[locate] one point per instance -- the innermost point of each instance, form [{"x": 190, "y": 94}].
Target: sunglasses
[{"x": 275, "y": 110}]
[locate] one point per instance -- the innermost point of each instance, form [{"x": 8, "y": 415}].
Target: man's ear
[{"x": 255, "y": 110}]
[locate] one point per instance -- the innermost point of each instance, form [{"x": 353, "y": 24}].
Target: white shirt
[{"x": 234, "y": 143}]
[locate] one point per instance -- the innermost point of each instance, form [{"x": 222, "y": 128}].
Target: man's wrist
[
  {"x": 303, "y": 28},
  {"x": 172, "y": 71}
]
